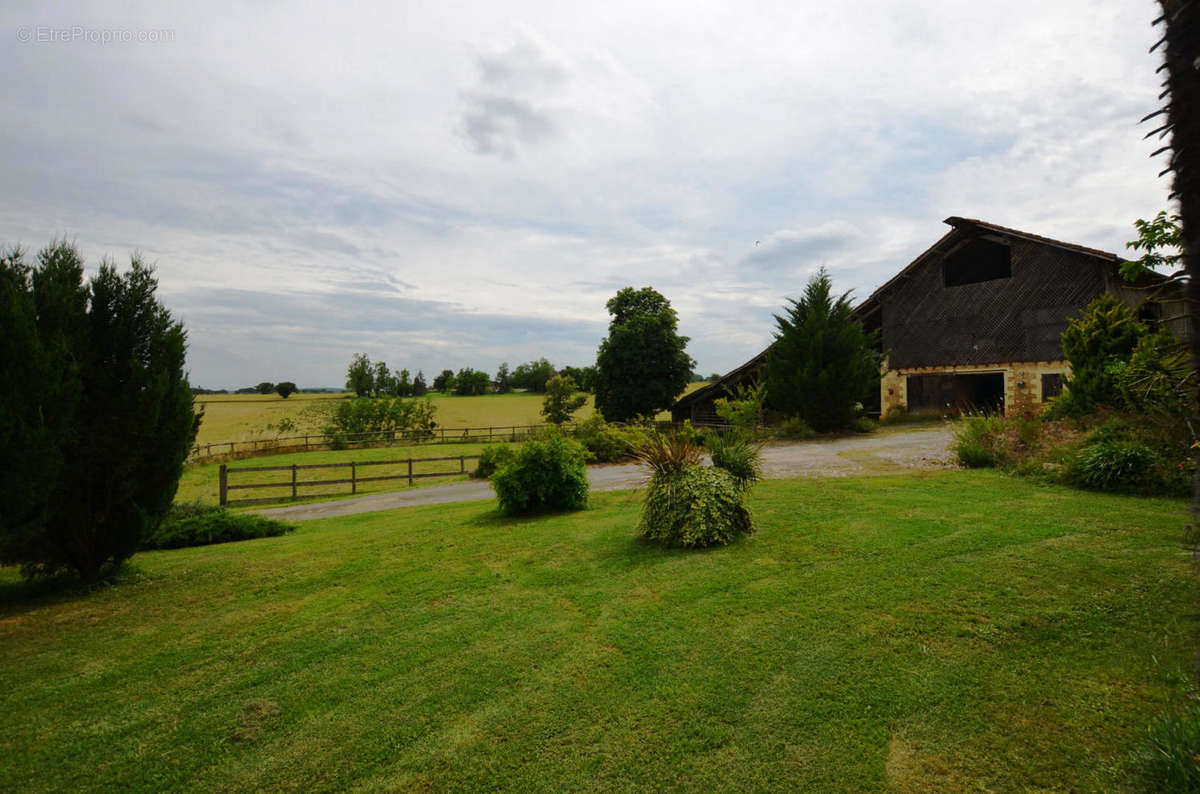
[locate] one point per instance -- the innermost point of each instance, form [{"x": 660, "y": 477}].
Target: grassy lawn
[
  {"x": 953, "y": 631},
  {"x": 200, "y": 481},
  {"x": 242, "y": 417}
]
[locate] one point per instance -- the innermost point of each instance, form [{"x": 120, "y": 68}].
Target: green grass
[
  {"x": 954, "y": 631},
  {"x": 200, "y": 481}
]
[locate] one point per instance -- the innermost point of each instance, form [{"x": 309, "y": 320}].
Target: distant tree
[
  {"x": 822, "y": 363},
  {"x": 584, "y": 377},
  {"x": 418, "y": 386},
  {"x": 381, "y": 380},
  {"x": 247, "y": 390},
  {"x": 533, "y": 375},
  {"x": 403, "y": 384},
  {"x": 470, "y": 382},
  {"x": 96, "y": 414},
  {"x": 265, "y": 387},
  {"x": 713, "y": 378},
  {"x": 445, "y": 381},
  {"x": 285, "y": 389},
  {"x": 503, "y": 379},
  {"x": 561, "y": 400},
  {"x": 360, "y": 377},
  {"x": 642, "y": 365}
]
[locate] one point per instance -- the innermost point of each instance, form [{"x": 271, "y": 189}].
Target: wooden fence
[
  {"x": 438, "y": 435},
  {"x": 295, "y": 483}
]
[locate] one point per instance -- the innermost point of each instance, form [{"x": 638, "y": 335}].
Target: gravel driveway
[{"x": 889, "y": 453}]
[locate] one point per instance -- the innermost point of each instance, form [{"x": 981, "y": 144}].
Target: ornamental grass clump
[{"x": 692, "y": 505}]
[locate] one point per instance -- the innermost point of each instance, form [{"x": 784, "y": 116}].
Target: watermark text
[{"x": 82, "y": 34}]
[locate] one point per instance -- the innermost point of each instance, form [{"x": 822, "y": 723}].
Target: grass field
[
  {"x": 241, "y": 417},
  {"x": 957, "y": 631}
]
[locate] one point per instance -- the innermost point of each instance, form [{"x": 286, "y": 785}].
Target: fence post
[
  {"x": 353, "y": 478},
  {"x": 224, "y": 486},
  {"x": 443, "y": 435},
  {"x": 489, "y": 435},
  {"x": 231, "y": 447},
  {"x": 293, "y": 480},
  {"x": 306, "y": 442},
  {"x": 410, "y": 472},
  {"x": 462, "y": 464}
]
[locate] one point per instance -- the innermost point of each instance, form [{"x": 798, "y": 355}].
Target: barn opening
[
  {"x": 980, "y": 391},
  {"x": 978, "y": 260}
]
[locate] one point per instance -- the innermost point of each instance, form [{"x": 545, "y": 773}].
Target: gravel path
[{"x": 890, "y": 453}]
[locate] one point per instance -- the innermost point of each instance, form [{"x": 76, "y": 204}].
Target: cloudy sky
[{"x": 449, "y": 184}]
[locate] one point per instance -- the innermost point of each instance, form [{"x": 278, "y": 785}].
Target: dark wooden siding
[{"x": 927, "y": 324}]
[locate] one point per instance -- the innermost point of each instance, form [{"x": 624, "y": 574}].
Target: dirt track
[{"x": 890, "y": 453}]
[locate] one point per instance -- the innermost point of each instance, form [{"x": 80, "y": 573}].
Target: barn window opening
[
  {"x": 978, "y": 260},
  {"x": 1052, "y": 384}
]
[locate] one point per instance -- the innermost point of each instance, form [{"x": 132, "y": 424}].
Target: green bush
[
  {"x": 738, "y": 455},
  {"x": 1169, "y": 753},
  {"x": 864, "y": 424},
  {"x": 388, "y": 417},
  {"x": 695, "y": 507},
  {"x": 1113, "y": 465},
  {"x": 975, "y": 442},
  {"x": 197, "y": 524},
  {"x": 546, "y": 474},
  {"x": 795, "y": 428},
  {"x": 608, "y": 443},
  {"x": 974, "y": 455},
  {"x": 492, "y": 458}
]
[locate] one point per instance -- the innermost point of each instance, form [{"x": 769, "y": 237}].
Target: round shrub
[
  {"x": 545, "y": 474},
  {"x": 491, "y": 459},
  {"x": 695, "y": 507}
]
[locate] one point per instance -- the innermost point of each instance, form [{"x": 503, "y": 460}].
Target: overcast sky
[{"x": 451, "y": 184}]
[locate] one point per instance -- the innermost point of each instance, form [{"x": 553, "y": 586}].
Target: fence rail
[
  {"x": 438, "y": 435},
  {"x": 295, "y": 483}
]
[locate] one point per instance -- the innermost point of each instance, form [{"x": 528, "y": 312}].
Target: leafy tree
[
  {"x": 418, "y": 386},
  {"x": 96, "y": 414},
  {"x": 402, "y": 384},
  {"x": 822, "y": 362},
  {"x": 1098, "y": 344},
  {"x": 445, "y": 381},
  {"x": 360, "y": 377},
  {"x": 471, "y": 382},
  {"x": 285, "y": 389},
  {"x": 503, "y": 379},
  {"x": 381, "y": 382},
  {"x": 533, "y": 375},
  {"x": 641, "y": 365},
  {"x": 561, "y": 400},
  {"x": 1160, "y": 240},
  {"x": 265, "y": 387},
  {"x": 585, "y": 377}
]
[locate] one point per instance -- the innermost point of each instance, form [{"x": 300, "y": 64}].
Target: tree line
[{"x": 375, "y": 379}]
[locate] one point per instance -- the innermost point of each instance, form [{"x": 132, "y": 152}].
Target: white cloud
[{"x": 484, "y": 177}]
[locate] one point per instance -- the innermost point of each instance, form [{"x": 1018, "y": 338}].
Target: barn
[{"x": 976, "y": 320}]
